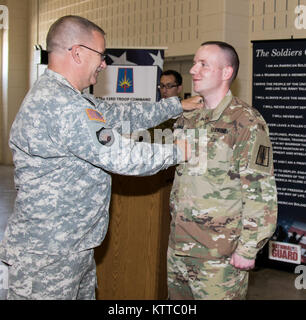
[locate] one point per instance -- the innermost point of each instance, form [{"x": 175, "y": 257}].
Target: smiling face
[{"x": 210, "y": 70}]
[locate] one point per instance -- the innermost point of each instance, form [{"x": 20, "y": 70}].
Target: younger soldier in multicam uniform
[
  {"x": 64, "y": 147},
  {"x": 224, "y": 205}
]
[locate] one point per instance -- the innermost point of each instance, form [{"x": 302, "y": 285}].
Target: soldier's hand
[
  {"x": 185, "y": 148},
  {"x": 192, "y": 103},
  {"x": 242, "y": 263}
]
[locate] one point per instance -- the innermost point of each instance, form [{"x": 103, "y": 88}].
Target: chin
[
  {"x": 197, "y": 91},
  {"x": 195, "y": 88},
  {"x": 93, "y": 82}
]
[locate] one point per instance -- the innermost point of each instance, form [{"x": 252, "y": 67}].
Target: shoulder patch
[
  {"x": 261, "y": 158},
  {"x": 94, "y": 115}
]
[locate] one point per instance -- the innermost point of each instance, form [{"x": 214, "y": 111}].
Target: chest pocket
[
  {"x": 197, "y": 165},
  {"x": 219, "y": 157}
]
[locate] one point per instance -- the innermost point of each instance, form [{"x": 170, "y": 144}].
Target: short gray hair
[{"x": 69, "y": 30}]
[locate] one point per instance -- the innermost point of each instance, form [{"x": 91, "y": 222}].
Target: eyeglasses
[
  {"x": 168, "y": 86},
  {"x": 102, "y": 55}
]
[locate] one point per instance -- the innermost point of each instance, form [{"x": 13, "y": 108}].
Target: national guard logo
[
  {"x": 94, "y": 115},
  {"x": 125, "y": 81},
  {"x": 262, "y": 158}
]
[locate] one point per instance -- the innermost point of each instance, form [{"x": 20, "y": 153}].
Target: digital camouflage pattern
[
  {"x": 227, "y": 203},
  {"x": 63, "y": 148},
  {"x": 40, "y": 277}
]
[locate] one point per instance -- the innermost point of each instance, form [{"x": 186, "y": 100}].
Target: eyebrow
[{"x": 202, "y": 60}]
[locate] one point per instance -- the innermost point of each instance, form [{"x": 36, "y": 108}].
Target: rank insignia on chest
[
  {"x": 94, "y": 115},
  {"x": 262, "y": 158}
]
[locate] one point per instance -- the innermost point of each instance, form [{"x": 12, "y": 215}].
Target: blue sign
[{"x": 125, "y": 83}]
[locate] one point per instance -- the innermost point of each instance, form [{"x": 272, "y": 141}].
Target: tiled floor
[
  {"x": 274, "y": 284},
  {"x": 264, "y": 284}
]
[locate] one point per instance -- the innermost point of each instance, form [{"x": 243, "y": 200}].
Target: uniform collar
[
  {"x": 215, "y": 114},
  {"x": 211, "y": 114},
  {"x": 60, "y": 78}
]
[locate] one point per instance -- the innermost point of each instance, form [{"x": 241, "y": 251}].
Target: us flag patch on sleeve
[{"x": 94, "y": 115}]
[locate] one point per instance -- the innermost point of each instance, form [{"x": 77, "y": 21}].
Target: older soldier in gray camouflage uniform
[
  {"x": 63, "y": 149},
  {"x": 223, "y": 202}
]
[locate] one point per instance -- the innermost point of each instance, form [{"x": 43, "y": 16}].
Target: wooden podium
[{"x": 132, "y": 260}]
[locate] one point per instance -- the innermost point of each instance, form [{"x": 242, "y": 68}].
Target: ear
[
  {"x": 227, "y": 72},
  {"x": 179, "y": 89},
  {"x": 75, "y": 53}
]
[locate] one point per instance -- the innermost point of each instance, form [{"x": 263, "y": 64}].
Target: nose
[
  {"x": 103, "y": 64},
  {"x": 193, "y": 69}
]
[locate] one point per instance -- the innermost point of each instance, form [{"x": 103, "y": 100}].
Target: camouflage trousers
[
  {"x": 40, "y": 277},
  {"x": 192, "y": 278}
]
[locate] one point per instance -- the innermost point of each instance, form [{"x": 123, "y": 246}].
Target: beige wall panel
[
  {"x": 258, "y": 25},
  {"x": 211, "y": 7},
  {"x": 208, "y": 36},
  {"x": 17, "y": 8},
  {"x": 269, "y": 7},
  {"x": 258, "y": 7},
  {"x": 2, "y": 125},
  {"x": 18, "y": 79},
  {"x": 282, "y": 21},
  {"x": 211, "y": 22},
  {"x": 293, "y": 3},
  {"x": 271, "y": 21},
  {"x": 282, "y": 6},
  {"x": 152, "y": 13},
  {"x": 18, "y": 68},
  {"x": 237, "y": 23},
  {"x": 238, "y": 7}
]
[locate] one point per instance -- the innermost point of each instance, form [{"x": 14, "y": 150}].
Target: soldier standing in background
[
  {"x": 224, "y": 206},
  {"x": 170, "y": 86}
]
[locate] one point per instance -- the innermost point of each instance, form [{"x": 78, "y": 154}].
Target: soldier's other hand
[
  {"x": 185, "y": 148},
  {"x": 192, "y": 103},
  {"x": 242, "y": 263}
]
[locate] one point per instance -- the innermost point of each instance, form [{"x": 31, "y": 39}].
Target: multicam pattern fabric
[
  {"x": 192, "y": 278},
  {"x": 229, "y": 203},
  {"x": 62, "y": 156}
]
